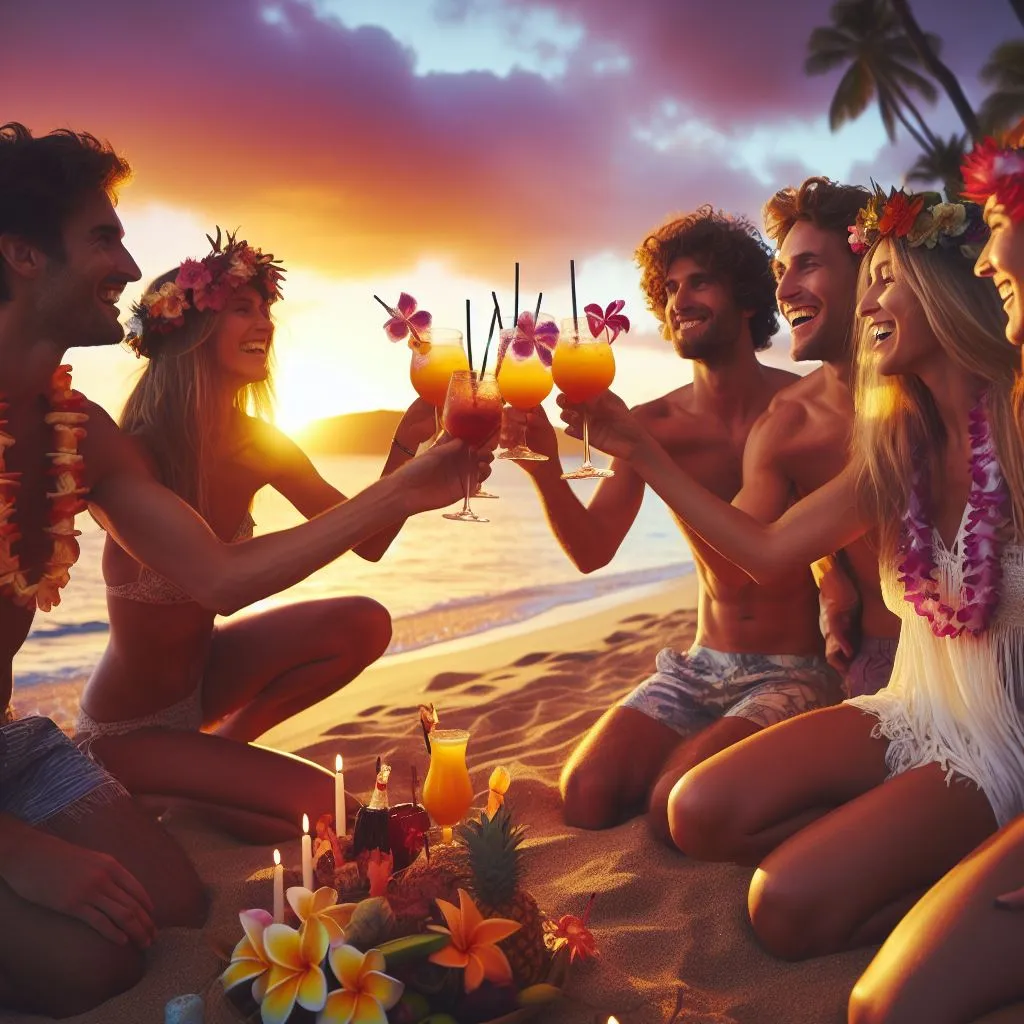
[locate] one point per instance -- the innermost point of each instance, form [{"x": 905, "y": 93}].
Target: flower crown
[
  {"x": 204, "y": 284},
  {"x": 920, "y": 218},
  {"x": 996, "y": 168}
]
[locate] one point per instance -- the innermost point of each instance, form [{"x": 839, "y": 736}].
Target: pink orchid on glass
[
  {"x": 366, "y": 992},
  {"x": 296, "y": 975},
  {"x": 249, "y": 960},
  {"x": 320, "y": 909},
  {"x": 408, "y": 320},
  {"x": 611, "y": 319},
  {"x": 533, "y": 337}
]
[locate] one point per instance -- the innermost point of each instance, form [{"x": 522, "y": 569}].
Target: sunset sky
[{"x": 425, "y": 145}]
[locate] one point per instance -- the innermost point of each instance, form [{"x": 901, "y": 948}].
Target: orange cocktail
[
  {"x": 447, "y": 791},
  {"x": 524, "y": 383},
  {"x": 582, "y": 368},
  {"x": 434, "y": 360}
]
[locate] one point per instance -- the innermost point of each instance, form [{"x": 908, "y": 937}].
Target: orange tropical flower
[
  {"x": 366, "y": 992},
  {"x": 295, "y": 972},
  {"x": 474, "y": 945},
  {"x": 249, "y": 961},
  {"x": 321, "y": 909},
  {"x": 899, "y": 214}
]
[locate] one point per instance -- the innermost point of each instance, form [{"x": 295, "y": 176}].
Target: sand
[{"x": 667, "y": 927}]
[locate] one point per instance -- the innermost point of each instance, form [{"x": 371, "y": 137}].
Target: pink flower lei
[{"x": 987, "y": 516}]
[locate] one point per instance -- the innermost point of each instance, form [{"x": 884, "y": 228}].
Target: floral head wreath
[
  {"x": 996, "y": 168},
  {"x": 203, "y": 284},
  {"x": 918, "y": 219}
]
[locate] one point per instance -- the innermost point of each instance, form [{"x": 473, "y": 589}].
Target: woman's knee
[
  {"x": 366, "y": 627},
  {"x": 790, "y": 920},
  {"x": 702, "y": 816},
  {"x": 589, "y": 797},
  {"x": 95, "y": 972},
  {"x": 867, "y": 1004}
]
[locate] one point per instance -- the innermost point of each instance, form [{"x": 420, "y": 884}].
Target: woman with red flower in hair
[{"x": 956, "y": 955}]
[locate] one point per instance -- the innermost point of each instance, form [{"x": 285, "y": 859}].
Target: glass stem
[
  {"x": 437, "y": 425},
  {"x": 469, "y": 481},
  {"x": 522, "y": 443},
  {"x": 586, "y": 443}
]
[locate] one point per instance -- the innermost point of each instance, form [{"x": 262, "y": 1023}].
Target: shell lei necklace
[
  {"x": 67, "y": 470},
  {"x": 987, "y": 507}
]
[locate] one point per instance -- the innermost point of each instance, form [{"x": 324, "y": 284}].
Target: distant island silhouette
[{"x": 370, "y": 433}]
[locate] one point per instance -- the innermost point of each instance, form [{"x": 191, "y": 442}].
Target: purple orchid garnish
[
  {"x": 531, "y": 337},
  {"x": 408, "y": 319},
  {"x": 611, "y": 319}
]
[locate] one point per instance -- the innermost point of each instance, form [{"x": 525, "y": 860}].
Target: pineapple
[
  {"x": 496, "y": 870},
  {"x": 412, "y": 892}
]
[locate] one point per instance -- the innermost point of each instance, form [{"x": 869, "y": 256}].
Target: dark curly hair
[
  {"x": 825, "y": 203},
  {"x": 727, "y": 247},
  {"x": 43, "y": 180}
]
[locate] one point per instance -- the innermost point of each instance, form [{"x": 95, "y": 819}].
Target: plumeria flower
[
  {"x": 295, "y": 972},
  {"x": 611, "y": 319},
  {"x": 320, "y": 909},
  {"x": 366, "y": 992},
  {"x": 249, "y": 960},
  {"x": 408, "y": 320},
  {"x": 474, "y": 945},
  {"x": 574, "y": 933}
]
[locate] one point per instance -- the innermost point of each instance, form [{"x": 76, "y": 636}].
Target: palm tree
[
  {"x": 881, "y": 64},
  {"x": 942, "y": 163},
  {"x": 1018, "y": 6},
  {"x": 1004, "y": 74},
  {"x": 927, "y": 49}
]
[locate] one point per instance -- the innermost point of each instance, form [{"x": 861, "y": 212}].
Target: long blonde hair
[
  {"x": 172, "y": 407},
  {"x": 897, "y": 421}
]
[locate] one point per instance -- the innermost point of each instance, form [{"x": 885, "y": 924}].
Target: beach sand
[{"x": 665, "y": 925}]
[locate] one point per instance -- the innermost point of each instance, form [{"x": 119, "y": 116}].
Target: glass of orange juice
[
  {"x": 447, "y": 791},
  {"x": 437, "y": 355},
  {"x": 583, "y": 367},
  {"x": 524, "y": 378}
]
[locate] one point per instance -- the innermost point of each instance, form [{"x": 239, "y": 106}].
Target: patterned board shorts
[
  {"x": 43, "y": 774},
  {"x": 690, "y": 691},
  {"x": 870, "y": 669}
]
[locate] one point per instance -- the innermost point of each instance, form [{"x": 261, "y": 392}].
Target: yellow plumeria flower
[
  {"x": 474, "y": 945},
  {"x": 296, "y": 975},
  {"x": 249, "y": 960},
  {"x": 321, "y": 909},
  {"x": 366, "y": 992}
]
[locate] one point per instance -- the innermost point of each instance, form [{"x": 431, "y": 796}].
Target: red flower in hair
[
  {"x": 899, "y": 215},
  {"x": 991, "y": 169}
]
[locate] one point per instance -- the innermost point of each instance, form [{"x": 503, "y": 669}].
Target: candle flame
[
  {"x": 338, "y": 763},
  {"x": 613, "y": 1020},
  {"x": 305, "y": 823},
  {"x": 277, "y": 857}
]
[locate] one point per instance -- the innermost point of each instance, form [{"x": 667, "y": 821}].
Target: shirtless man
[
  {"x": 85, "y": 876},
  {"x": 802, "y": 441},
  {"x": 757, "y": 658}
]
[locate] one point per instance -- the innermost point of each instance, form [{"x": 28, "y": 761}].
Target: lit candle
[
  {"x": 278, "y": 888},
  {"x": 307, "y": 855},
  {"x": 340, "y": 825},
  {"x": 613, "y": 1020}
]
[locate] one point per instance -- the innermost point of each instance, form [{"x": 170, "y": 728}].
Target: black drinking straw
[
  {"x": 515, "y": 302},
  {"x": 572, "y": 285},
  {"x": 490, "y": 334},
  {"x": 469, "y": 338},
  {"x": 497, "y": 309},
  {"x": 536, "y": 312}
]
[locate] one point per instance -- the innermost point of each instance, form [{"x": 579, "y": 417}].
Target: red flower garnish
[
  {"x": 899, "y": 215},
  {"x": 407, "y": 319},
  {"x": 611, "y": 319},
  {"x": 573, "y": 932}
]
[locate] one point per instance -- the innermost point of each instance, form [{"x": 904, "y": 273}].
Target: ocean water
[{"x": 439, "y": 579}]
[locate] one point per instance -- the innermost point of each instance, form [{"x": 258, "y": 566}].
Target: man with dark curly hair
[{"x": 757, "y": 657}]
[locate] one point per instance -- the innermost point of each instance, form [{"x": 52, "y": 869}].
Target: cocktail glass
[
  {"x": 472, "y": 413},
  {"x": 524, "y": 382},
  {"x": 434, "y": 360},
  {"x": 447, "y": 791},
  {"x": 583, "y": 367}
]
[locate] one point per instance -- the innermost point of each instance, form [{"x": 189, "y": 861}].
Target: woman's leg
[
  {"x": 266, "y": 667},
  {"x": 955, "y": 956},
  {"x": 256, "y": 793},
  {"x": 741, "y": 803},
  {"x": 846, "y": 879}
]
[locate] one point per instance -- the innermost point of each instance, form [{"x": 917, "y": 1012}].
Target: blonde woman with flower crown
[
  {"x": 177, "y": 698},
  {"x": 851, "y": 812},
  {"x": 956, "y": 955}
]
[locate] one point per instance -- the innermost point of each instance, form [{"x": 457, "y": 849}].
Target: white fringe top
[{"x": 958, "y": 701}]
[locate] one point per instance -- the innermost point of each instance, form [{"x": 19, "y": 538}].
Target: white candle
[
  {"x": 278, "y": 888},
  {"x": 307, "y": 854},
  {"x": 340, "y": 824}
]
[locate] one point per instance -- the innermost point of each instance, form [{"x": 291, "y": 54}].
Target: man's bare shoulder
[
  {"x": 784, "y": 418},
  {"x": 107, "y": 448},
  {"x": 675, "y": 403}
]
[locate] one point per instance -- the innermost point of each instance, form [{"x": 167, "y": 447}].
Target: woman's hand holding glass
[{"x": 436, "y": 478}]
